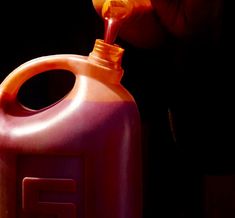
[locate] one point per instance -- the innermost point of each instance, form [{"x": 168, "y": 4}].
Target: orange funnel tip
[{"x": 116, "y": 9}]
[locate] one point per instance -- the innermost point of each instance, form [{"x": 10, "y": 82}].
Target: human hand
[{"x": 152, "y": 19}]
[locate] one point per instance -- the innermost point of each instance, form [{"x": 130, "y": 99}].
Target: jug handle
[{"x": 12, "y": 83}]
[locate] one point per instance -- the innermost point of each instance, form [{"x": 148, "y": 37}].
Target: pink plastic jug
[{"x": 77, "y": 158}]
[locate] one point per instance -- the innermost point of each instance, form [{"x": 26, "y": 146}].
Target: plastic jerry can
[{"x": 79, "y": 157}]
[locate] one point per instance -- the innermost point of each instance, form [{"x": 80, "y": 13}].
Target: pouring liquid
[{"x": 114, "y": 13}]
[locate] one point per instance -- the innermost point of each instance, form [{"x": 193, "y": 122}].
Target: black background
[{"x": 193, "y": 80}]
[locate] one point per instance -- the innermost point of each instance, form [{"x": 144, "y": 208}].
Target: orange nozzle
[{"x": 116, "y": 9}]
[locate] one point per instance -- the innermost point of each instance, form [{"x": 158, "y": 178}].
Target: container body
[{"x": 78, "y": 158}]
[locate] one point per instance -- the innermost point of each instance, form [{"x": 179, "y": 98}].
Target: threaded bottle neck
[{"x": 106, "y": 55}]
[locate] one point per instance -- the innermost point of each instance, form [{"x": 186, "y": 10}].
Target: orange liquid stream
[
  {"x": 112, "y": 27},
  {"x": 114, "y": 13}
]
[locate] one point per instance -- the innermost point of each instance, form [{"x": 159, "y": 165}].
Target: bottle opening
[
  {"x": 46, "y": 89},
  {"x": 117, "y": 9},
  {"x": 106, "y": 54}
]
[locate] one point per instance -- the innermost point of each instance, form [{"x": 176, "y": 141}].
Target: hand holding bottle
[{"x": 150, "y": 20}]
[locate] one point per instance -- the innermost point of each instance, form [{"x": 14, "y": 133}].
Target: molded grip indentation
[
  {"x": 50, "y": 186},
  {"x": 31, "y": 188}
]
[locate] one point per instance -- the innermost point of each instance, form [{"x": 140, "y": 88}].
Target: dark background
[{"x": 192, "y": 177}]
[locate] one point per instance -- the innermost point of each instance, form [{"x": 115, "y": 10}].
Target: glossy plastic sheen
[{"x": 78, "y": 158}]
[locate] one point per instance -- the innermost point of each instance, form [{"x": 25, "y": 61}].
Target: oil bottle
[{"x": 79, "y": 157}]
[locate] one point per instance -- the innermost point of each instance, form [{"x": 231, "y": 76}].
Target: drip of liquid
[{"x": 114, "y": 13}]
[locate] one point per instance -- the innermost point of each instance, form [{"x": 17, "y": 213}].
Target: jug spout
[{"x": 106, "y": 55}]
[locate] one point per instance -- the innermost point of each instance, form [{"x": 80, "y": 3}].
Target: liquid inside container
[{"x": 79, "y": 157}]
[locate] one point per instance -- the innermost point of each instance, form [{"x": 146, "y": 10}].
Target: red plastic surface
[{"x": 78, "y": 158}]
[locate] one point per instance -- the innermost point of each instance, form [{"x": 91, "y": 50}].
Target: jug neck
[{"x": 106, "y": 55}]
